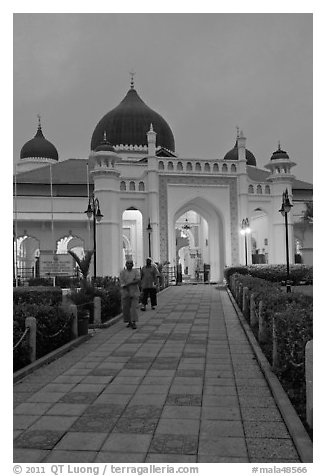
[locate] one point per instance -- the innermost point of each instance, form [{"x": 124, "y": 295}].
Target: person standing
[
  {"x": 129, "y": 282},
  {"x": 149, "y": 275}
]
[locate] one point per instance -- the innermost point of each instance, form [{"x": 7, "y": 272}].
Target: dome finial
[
  {"x": 279, "y": 145},
  {"x": 132, "y": 74},
  {"x": 238, "y": 133},
  {"x": 39, "y": 127},
  {"x": 104, "y": 136}
]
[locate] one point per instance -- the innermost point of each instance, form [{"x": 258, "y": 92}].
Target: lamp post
[
  {"x": 245, "y": 230},
  {"x": 285, "y": 209},
  {"x": 93, "y": 210},
  {"x": 149, "y": 230}
]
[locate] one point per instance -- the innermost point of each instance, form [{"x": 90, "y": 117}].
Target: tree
[
  {"x": 308, "y": 213},
  {"x": 83, "y": 263}
]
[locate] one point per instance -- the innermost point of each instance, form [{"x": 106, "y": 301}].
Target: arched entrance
[
  {"x": 132, "y": 237},
  {"x": 196, "y": 241},
  {"x": 259, "y": 237}
]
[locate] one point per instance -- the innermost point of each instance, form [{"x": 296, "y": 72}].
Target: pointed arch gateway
[{"x": 211, "y": 239}]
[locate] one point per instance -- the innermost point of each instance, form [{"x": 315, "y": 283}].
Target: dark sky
[{"x": 204, "y": 73}]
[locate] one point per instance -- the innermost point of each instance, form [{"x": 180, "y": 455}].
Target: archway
[
  {"x": 132, "y": 237},
  {"x": 204, "y": 253},
  {"x": 26, "y": 255},
  {"x": 259, "y": 233}
]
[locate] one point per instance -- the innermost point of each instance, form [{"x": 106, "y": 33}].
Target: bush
[
  {"x": 38, "y": 295},
  {"x": 109, "y": 293},
  {"x": 60, "y": 281},
  {"x": 53, "y": 330},
  {"x": 299, "y": 273}
]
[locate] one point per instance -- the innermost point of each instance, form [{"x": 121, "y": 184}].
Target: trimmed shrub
[
  {"x": 60, "y": 281},
  {"x": 299, "y": 273},
  {"x": 38, "y": 295},
  {"x": 53, "y": 330}
]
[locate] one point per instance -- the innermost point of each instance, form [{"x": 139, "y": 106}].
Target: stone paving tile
[
  {"x": 88, "y": 387},
  {"x": 32, "y": 408},
  {"x": 45, "y": 397},
  {"x": 184, "y": 412},
  {"x": 125, "y": 443},
  {"x": 28, "y": 387},
  {"x": 221, "y": 459},
  {"x": 105, "y": 409},
  {"x": 120, "y": 388},
  {"x": 184, "y": 399},
  {"x": 142, "y": 411},
  {"x": 40, "y": 439},
  {"x": 20, "y": 397},
  {"x": 179, "y": 389},
  {"x": 58, "y": 387},
  {"x": 21, "y": 455},
  {"x": 94, "y": 423},
  {"x": 270, "y": 429},
  {"x": 78, "y": 371},
  {"x": 113, "y": 398},
  {"x": 170, "y": 458},
  {"x": 261, "y": 414},
  {"x": 149, "y": 399},
  {"x": 55, "y": 423},
  {"x": 97, "y": 379},
  {"x": 132, "y": 373},
  {"x": 21, "y": 422},
  {"x": 178, "y": 426},
  {"x": 256, "y": 402},
  {"x": 148, "y": 389},
  {"x": 258, "y": 391},
  {"x": 86, "y": 441},
  {"x": 221, "y": 413},
  {"x": 220, "y": 401},
  {"x": 68, "y": 379},
  {"x": 104, "y": 372},
  {"x": 188, "y": 381},
  {"x": 136, "y": 425},
  {"x": 270, "y": 448},
  {"x": 157, "y": 380},
  {"x": 179, "y": 444},
  {"x": 78, "y": 397},
  {"x": 215, "y": 429},
  {"x": 62, "y": 456},
  {"x": 67, "y": 409},
  {"x": 190, "y": 373},
  {"x": 224, "y": 446},
  {"x": 116, "y": 457}
]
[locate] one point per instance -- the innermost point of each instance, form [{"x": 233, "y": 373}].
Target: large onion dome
[
  {"x": 233, "y": 155},
  {"x": 39, "y": 147},
  {"x": 128, "y": 124}
]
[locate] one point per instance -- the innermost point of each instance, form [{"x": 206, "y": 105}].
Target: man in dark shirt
[{"x": 149, "y": 275}]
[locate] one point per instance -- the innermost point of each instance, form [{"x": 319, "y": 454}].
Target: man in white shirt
[{"x": 129, "y": 280}]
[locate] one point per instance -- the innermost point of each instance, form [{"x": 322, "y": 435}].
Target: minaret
[
  {"x": 153, "y": 192},
  {"x": 281, "y": 179},
  {"x": 151, "y": 141},
  {"x": 107, "y": 189}
]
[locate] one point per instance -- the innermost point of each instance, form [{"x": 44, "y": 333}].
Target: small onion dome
[
  {"x": 39, "y": 147},
  {"x": 129, "y": 122},
  {"x": 233, "y": 155},
  {"x": 104, "y": 145},
  {"x": 279, "y": 154}
]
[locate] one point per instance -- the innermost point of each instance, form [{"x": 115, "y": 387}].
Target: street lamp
[
  {"x": 285, "y": 209},
  {"x": 149, "y": 230},
  {"x": 93, "y": 210},
  {"x": 245, "y": 230}
]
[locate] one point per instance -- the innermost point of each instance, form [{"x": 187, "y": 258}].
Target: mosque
[{"x": 144, "y": 199}]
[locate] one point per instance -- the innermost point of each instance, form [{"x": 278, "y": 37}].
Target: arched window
[
  {"x": 215, "y": 168},
  {"x": 233, "y": 168},
  {"x": 224, "y": 168},
  {"x": 179, "y": 166},
  {"x": 189, "y": 166},
  {"x": 123, "y": 185},
  {"x": 161, "y": 165},
  {"x": 141, "y": 186},
  {"x": 251, "y": 189},
  {"x": 170, "y": 165},
  {"x": 267, "y": 189},
  {"x": 132, "y": 186},
  {"x": 207, "y": 167},
  {"x": 259, "y": 190},
  {"x": 198, "y": 167}
]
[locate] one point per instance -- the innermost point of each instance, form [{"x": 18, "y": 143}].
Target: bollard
[
  {"x": 97, "y": 310},
  {"x": 253, "y": 316},
  {"x": 274, "y": 340},
  {"x": 262, "y": 337},
  {"x": 30, "y": 322},
  {"x": 74, "y": 322},
  {"x": 245, "y": 300},
  {"x": 309, "y": 382}
]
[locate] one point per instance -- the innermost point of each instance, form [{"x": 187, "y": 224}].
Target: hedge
[
  {"x": 38, "y": 295},
  {"x": 53, "y": 330},
  {"x": 299, "y": 273}
]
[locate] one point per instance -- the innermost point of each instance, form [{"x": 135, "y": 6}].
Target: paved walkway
[{"x": 184, "y": 387}]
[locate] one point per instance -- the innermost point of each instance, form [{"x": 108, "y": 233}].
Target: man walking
[
  {"x": 129, "y": 280},
  {"x": 149, "y": 275}
]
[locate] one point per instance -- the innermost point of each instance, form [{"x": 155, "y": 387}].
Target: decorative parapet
[{"x": 198, "y": 166}]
